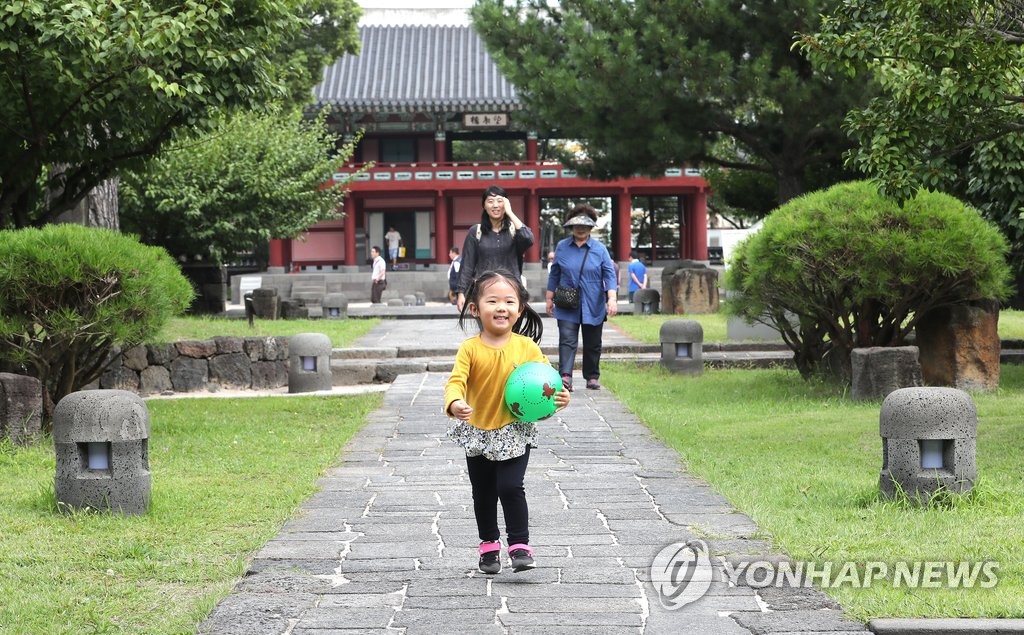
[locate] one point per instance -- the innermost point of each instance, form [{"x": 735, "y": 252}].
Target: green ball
[{"x": 530, "y": 391}]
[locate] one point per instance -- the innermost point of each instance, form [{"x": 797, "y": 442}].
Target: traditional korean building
[{"x": 410, "y": 93}]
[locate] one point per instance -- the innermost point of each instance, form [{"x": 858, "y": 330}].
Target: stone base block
[
  {"x": 960, "y": 346},
  {"x": 350, "y": 372},
  {"x": 879, "y": 370},
  {"x": 21, "y": 407}
]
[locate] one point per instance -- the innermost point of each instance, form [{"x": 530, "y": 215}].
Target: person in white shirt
[
  {"x": 378, "y": 279},
  {"x": 394, "y": 244}
]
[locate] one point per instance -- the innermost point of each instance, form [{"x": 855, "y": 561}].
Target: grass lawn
[
  {"x": 645, "y": 328},
  {"x": 800, "y": 458},
  {"x": 803, "y": 461},
  {"x": 341, "y": 332},
  {"x": 226, "y": 474}
]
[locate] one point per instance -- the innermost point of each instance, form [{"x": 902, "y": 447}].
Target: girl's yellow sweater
[{"x": 479, "y": 377}]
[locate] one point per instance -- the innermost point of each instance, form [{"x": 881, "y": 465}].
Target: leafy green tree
[
  {"x": 224, "y": 193},
  {"x": 508, "y": 150},
  {"x": 950, "y": 73},
  {"x": 69, "y": 294},
  {"x": 948, "y": 116},
  {"x": 653, "y": 83},
  {"x": 846, "y": 267},
  {"x": 739, "y": 197},
  {"x": 90, "y": 86},
  {"x": 473, "y": 150}
]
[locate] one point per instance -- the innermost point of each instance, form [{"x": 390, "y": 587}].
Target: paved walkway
[{"x": 388, "y": 544}]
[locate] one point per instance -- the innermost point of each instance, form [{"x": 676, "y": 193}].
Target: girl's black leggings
[{"x": 500, "y": 480}]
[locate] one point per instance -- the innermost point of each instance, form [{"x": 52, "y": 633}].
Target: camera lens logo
[{"x": 681, "y": 573}]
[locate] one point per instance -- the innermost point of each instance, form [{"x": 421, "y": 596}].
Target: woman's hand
[
  {"x": 461, "y": 410},
  {"x": 613, "y": 305},
  {"x": 549, "y": 305},
  {"x": 516, "y": 223},
  {"x": 460, "y": 301}
]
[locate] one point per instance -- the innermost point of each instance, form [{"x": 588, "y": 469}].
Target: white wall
[{"x": 727, "y": 239}]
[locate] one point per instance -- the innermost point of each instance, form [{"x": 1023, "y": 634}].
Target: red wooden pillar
[
  {"x": 698, "y": 221},
  {"x": 440, "y": 156},
  {"x": 442, "y": 230},
  {"x": 350, "y": 206},
  {"x": 532, "y": 221},
  {"x": 531, "y": 147},
  {"x": 623, "y": 226},
  {"x": 280, "y": 252}
]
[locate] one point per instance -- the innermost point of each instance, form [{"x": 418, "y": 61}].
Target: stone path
[{"x": 388, "y": 544}]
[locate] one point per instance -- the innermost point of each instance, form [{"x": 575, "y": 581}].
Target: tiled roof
[{"x": 416, "y": 68}]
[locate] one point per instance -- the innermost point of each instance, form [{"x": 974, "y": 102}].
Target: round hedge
[
  {"x": 852, "y": 268},
  {"x": 69, "y": 293}
]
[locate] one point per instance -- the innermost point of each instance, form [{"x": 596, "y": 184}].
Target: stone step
[
  {"x": 353, "y": 366},
  {"x": 388, "y": 352},
  {"x": 383, "y": 368}
]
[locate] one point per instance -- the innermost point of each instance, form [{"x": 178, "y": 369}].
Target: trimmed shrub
[
  {"x": 70, "y": 294},
  {"x": 845, "y": 267}
]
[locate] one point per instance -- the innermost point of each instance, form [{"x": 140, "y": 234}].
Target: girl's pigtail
[
  {"x": 469, "y": 293},
  {"x": 529, "y": 324}
]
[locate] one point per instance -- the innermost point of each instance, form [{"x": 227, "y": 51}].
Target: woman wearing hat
[{"x": 582, "y": 263}]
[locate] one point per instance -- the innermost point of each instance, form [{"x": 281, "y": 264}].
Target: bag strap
[{"x": 579, "y": 276}]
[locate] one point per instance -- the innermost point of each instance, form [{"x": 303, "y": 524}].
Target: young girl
[{"x": 497, "y": 446}]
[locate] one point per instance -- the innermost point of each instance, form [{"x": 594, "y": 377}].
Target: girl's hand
[
  {"x": 562, "y": 398},
  {"x": 461, "y": 410}
]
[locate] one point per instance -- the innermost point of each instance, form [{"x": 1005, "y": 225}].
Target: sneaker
[
  {"x": 592, "y": 384},
  {"x": 567, "y": 382},
  {"x": 521, "y": 557},
  {"x": 490, "y": 557}
]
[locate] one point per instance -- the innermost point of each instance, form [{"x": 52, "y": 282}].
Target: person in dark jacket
[
  {"x": 497, "y": 242},
  {"x": 453, "y": 274}
]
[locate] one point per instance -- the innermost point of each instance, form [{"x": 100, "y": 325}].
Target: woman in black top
[{"x": 498, "y": 242}]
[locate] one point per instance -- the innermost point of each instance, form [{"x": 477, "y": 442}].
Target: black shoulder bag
[{"x": 569, "y": 297}]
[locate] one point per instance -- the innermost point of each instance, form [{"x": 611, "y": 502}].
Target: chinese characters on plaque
[{"x": 484, "y": 120}]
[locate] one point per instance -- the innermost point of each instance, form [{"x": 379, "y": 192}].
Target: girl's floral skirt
[{"x": 507, "y": 442}]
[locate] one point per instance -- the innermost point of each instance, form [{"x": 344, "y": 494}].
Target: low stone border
[{"x": 255, "y": 363}]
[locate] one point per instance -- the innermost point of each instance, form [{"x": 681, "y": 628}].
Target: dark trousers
[
  {"x": 568, "y": 339},
  {"x": 376, "y": 290},
  {"x": 500, "y": 480}
]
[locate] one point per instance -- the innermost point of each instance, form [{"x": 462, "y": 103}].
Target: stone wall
[{"x": 252, "y": 363}]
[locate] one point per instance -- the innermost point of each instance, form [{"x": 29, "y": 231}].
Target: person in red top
[{"x": 497, "y": 445}]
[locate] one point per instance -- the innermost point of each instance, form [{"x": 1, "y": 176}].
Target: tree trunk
[
  {"x": 789, "y": 185},
  {"x": 99, "y": 208}
]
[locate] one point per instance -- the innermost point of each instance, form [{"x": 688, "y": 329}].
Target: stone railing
[{"x": 222, "y": 362}]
